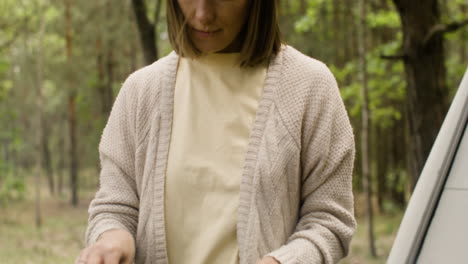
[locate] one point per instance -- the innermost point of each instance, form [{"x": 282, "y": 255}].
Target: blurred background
[{"x": 62, "y": 62}]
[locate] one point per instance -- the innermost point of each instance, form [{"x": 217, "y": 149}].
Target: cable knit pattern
[{"x": 296, "y": 201}]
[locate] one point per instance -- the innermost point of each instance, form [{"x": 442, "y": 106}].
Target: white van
[{"x": 434, "y": 228}]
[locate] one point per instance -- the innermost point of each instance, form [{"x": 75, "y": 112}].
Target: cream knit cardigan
[{"x": 296, "y": 201}]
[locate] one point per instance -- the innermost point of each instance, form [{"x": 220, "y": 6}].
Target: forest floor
[
  {"x": 60, "y": 237},
  {"x": 58, "y": 240},
  {"x": 386, "y": 227}
]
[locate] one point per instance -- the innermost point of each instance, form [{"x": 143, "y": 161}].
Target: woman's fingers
[
  {"x": 99, "y": 255},
  {"x": 82, "y": 258},
  {"x": 113, "y": 247},
  {"x": 91, "y": 255},
  {"x": 112, "y": 258},
  {"x": 79, "y": 260},
  {"x": 95, "y": 258}
]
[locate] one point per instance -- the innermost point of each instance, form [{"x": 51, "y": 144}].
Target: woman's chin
[{"x": 209, "y": 50}]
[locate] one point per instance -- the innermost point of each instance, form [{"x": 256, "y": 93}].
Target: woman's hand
[
  {"x": 268, "y": 260},
  {"x": 113, "y": 247}
]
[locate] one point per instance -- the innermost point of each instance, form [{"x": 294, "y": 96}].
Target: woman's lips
[{"x": 205, "y": 34}]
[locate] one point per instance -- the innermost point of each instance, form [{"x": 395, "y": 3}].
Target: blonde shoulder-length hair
[{"x": 261, "y": 34}]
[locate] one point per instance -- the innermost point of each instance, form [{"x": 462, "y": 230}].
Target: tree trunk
[
  {"x": 42, "y": 124},
  {"x": 427, "y": 93},
  {"x": 6, "y": 152},
  {"x": 347, "y": 36},
  {"x": 338, "y": 35},
  {"x": 37, "y": 200},
  {"x": 303, "y": 7},
  {"x": 105, "y": 70},
  {"x": 101, "y": 74},
  {"x": 108, "y": 93},
  {"x": 73, "y": 150},
  {"x": 44, "y": 131},
  {"x": 463, "y": 44},
  {"x": 46, "y": 156},
  {"x": 146, "y": 29},
  {"x": 383, "y": 160},
  {"x": 71, "y": 111},
  {"x": 400, "y": 158},
  {"x": 365, "y": 128},
  {"x": 61, "y": 165}
]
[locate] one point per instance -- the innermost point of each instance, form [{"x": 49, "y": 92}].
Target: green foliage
[
  {"x": 390, "y": 207},
  {"x": 456, "y": 65},
  {"x": 52, "y": 14},
  {"x": 4, "y": 66},
  {"x": 386, "y": 84},
  {"x": 5, "y": 84},
  {"x": 383, "y": 18},
  {"x": 350, "y": 87},
  {"x": 12, "y": 189},
  {"x": 386, "y": 89},
  {"x": 312, "y": 16},
  {"x": 455, "y": 11}
]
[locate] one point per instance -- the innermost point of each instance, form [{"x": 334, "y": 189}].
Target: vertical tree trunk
[
  {"x": 61, "y": 165},
  {"x": 108, "y": 93},
  {"x": 105, "y": 70},
  {"x": 427, "y": 93},
  {"x": 73, "y": 150},
  {"x": 347, "y": 36},
  {"x": 338, "y": 34},
  {"x": 133, "y": 57},
  {"x": 101, "y": 74},
  {"x": 44, "y": 130},
  {"x": 14, "y": 161},
  {"x": 146, "y": 29},
  {"x": 382, "y": 160},
  {"x": 400, "y": 158},
  {"x": 6, "y": 152},
  {"x": 46, "y": 156},
  {"x": 463, "y": 43},
  {"x": 303, "y": 7},
  {"x": 365, "y": 128},
  {"x": 43, "y": 135},
  {"x": 71, "y": 111},
  {"x": 37, "y": 200}
]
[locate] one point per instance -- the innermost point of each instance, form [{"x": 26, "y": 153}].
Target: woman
[{"x": 232, "y": 149}]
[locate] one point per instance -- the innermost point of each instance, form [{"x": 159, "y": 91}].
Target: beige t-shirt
[{"x": 215, "y": 103}]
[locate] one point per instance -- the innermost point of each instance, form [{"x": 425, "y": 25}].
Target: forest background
[{"x": 62, "y": 62}]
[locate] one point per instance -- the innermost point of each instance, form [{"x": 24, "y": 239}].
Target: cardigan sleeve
[
  {"x": 326, "y": 223},
  {"x": 116, "y": 203}
]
